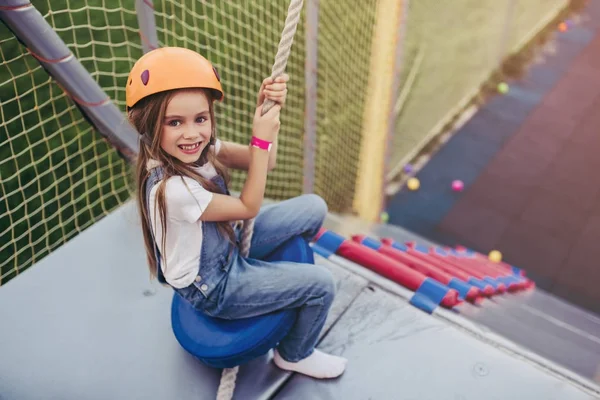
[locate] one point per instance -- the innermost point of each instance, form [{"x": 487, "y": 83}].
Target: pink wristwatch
[{"x": 261, "y": 144}]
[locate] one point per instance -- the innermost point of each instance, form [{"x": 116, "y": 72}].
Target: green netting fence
[{"x": 58, "y": 175}]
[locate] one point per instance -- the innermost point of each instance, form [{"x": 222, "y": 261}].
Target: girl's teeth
[{"x": 190, "y": 147}]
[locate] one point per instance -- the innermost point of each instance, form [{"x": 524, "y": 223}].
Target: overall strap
[
  {"x": 156, "y": 175},
  {"x": 220, "y": 182}
]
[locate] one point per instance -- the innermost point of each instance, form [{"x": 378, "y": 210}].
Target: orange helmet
[{"x": 169, "y": 68}]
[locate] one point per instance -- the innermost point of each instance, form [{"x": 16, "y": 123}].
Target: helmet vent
[{"x": 145, "y": 77}]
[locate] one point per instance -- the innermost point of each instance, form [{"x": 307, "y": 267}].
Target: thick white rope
[
  {"x": 283, "y": 52},
  {"x": 227, "y": 385}
]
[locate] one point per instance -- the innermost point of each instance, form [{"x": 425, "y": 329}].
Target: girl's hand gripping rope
[{"x": 273, "y": 89}]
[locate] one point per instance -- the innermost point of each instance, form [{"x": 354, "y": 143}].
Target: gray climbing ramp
[
  {"x": 479, "y": 333},
  {"x": 535, "y": 319},
  {"x": 399, "y": 352},
  {"x": 85, "y": 323},
  {"x": 549, "y": 337},
  {"x": 554, "y": 308}
]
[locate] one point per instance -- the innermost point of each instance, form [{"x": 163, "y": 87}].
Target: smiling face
[{"x": 187, "y": 126}]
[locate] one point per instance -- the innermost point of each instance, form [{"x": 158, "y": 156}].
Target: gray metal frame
[
  {"x": 30, "y": 27},
  {"x": 310, "y": 74},
  {"x": 147, "y": 24}
]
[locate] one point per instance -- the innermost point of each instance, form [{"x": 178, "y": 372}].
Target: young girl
[{"x": 188, "y": 215}]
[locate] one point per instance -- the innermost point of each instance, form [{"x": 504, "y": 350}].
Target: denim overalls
[
  {"x": 214, "y": 263},
  {"x": 230, "y": 286}
]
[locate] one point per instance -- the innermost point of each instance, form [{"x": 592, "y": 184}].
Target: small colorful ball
[
  {"x": 495, "y": 256},
  {"x": 413, "y": 184},
  {"x": 385, "y": 217},
  {"x": 408, "y": 168},
  {"x": 503, "y": 87},
  {"x": 563, "y": 27},
  {"x": 458, "y": 185}
]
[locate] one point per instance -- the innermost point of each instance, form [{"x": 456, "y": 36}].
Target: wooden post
[{"x": 369, "y": 194}]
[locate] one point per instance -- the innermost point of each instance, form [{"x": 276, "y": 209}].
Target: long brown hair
[{"x": 147, "y": 117}]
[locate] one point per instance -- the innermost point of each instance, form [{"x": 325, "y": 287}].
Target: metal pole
[
  {"x": 504, "y": 39},
  {"x": 145, "y": 16},
  {"x": 392, "y": 117},
  {"x": 30, "y": 27},
  {"x": 310, "y": 74}
]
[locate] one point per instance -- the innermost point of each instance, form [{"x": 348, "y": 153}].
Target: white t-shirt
[{"x": 185, "y": 204}]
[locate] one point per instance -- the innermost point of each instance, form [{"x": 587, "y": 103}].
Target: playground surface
[
  {"x": 86, "y": 323},
  {"x": 528, "y": 162}
]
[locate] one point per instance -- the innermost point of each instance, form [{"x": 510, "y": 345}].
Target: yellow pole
[{"x": 369, "y": 186}]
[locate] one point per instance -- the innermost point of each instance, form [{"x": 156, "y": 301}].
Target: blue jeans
[{"x": 254, "y": 287}]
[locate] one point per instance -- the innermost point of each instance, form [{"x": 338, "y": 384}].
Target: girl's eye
[
  {"x": 200, "y": 120},
  {"x": 174, "y": 122}
]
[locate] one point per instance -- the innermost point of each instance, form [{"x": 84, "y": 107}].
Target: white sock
[{"x": 318, "y": 365}]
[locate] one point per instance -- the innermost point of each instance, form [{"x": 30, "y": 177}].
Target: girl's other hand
[{"x": 266, "y": 127}]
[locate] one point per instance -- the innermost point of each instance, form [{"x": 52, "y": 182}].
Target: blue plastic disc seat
[{"x": 221, "y": 343}]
